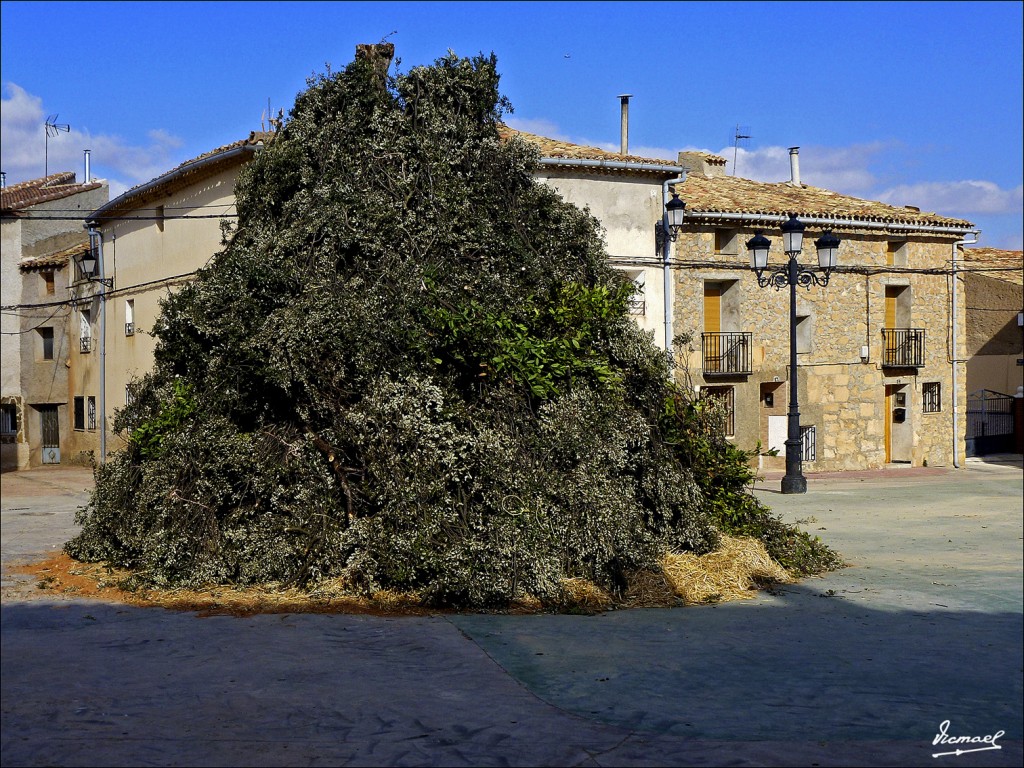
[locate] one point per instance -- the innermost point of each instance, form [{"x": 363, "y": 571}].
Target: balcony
[
  {"x": 85, "y": 344},
  {"x": 129, "y": 329},
  {"x": 637, "y": 307},
  {"x": 903, "y": 347},
  {"x": 725, "y": 354}
]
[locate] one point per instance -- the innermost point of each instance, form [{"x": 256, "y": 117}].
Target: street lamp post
[
  {"x": 666, "y": 232},
  {"x": 92, "y": 271},
  {"x": 793, "y": 274}
]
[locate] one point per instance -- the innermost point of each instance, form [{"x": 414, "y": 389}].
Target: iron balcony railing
[
  {"x": 637, "y": 307},
  {"x": 725, "y": 353},
  {"x": 904, "y": 347},
  {"x": 85, "y": 344}
]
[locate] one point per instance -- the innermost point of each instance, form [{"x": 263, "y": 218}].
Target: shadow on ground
[{"x": 797, "y": 678}]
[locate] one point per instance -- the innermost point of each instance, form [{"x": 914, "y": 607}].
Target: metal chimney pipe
[
  {"x": 624, "y": 100},
  {"x": 88, "y": 171},
  {"x": 794, "y": 166}
]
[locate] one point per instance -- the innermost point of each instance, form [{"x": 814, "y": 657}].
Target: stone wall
[{"x": 842, "y": 390}]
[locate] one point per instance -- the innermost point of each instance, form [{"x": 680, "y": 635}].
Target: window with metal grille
[
  {"x": 79, "y": 413},
  {"x": 91, "y": 405},
  {"x": 8, "y": 420},
  {"x": 726, "y": 396},
  {"x": 931, "y": 397},
  {"x": 808, "y": 443}
]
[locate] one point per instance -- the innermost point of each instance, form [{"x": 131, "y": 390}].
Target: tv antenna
[
  {"x": 741, "y": 133},
  {"x": 52, "y": 128}
]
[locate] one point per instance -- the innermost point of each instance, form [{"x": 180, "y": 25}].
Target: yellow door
[
  {"x": 712, "y": 308},
  {"x": 890, "y": 306}
]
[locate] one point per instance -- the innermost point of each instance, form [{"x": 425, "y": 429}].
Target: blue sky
[{"x": 914, "y": 103}]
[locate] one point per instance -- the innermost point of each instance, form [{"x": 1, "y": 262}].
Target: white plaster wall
[
  {"x": 628, "y": 207},
  {"x": 10, "y": 294},
  {"x": 147, "y": 264}
]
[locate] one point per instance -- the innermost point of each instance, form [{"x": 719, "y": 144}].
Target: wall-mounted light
[
  {"x": 675, "y": 212},
  {"x": 89, "y": 263}
]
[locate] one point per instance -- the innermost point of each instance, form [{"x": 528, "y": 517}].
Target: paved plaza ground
[{"x": 861, "y": 667}]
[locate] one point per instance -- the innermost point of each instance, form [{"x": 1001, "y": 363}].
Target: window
[
  {"x": 46, "y": 335},
  {"x": 85, "y": 330},
  {"x": 727, "y": 401},
  {"x": 92, "y": 411},
  {"x": 727, "y": 241},
  {"x": 804, "y": 333},
  {"x": 129, "y": 317},
  {"x": 931, "y": 397},
  {"x": 808, "y": 443},
  {"x": 8, "y": 420},
  {"x": 896, "y": 253},
  {"x": 48, "y": 281},
  {"x": 79, "y": 413},
  {"x": 638, "y": 302}
]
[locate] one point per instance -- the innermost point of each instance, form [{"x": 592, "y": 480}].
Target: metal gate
[
  {"x": 989, "y": 423},
  {"x": 51, "y": 433}
]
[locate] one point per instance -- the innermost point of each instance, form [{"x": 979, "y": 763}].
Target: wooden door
[
  {"x": 890, "y": 306},
  {"x": 712, "y": 307}
]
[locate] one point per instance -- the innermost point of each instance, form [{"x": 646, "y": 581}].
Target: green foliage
[
  {"x": 545, "y": 346},
  {"x": 149, "y": 435},
  {"x": 725, "y": 473},
  {"x": 410, "y": 367}
]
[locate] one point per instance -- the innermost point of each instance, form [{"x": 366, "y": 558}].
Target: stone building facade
[
  {"x": 994, "y": 287},
  {"x": 880, "y": 348},
  {"x": 42, "y": 234}
]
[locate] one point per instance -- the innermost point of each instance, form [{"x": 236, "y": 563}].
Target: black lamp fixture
[
  {"x": 793, "y": 243},
  {"x": 793, "y": 274},
  {"x": 672, "y": 221},
  {"x": 88, "y": 264}
]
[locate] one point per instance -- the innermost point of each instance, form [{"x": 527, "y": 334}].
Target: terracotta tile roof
[
  {"x": 732, "y": 194},
  {"x": 997, "y": 263},
  {"x": 256, "y": 137},
  {"x": 53, "y": 187},
  {"x": 57, "y": 258},
  {"x": 182, "y": 174},
  {"x": 552, "y": 148}
]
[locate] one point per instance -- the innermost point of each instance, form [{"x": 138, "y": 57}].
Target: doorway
[
  {"x": 898, "y": 431},
  {"x": 50, "y": 428}
]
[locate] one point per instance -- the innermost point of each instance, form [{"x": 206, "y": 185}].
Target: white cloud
[
  {"x": 843, "y": 169},
  {"x": 540, "y": 127},
  {"x": 27, "y": 155},
  {"x": 957, "y": 197}
]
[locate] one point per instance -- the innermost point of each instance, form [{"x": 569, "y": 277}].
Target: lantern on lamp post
[{"x": 792, "y": 275}]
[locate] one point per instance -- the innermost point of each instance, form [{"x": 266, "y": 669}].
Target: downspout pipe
[{"x": 954, "y": 361}]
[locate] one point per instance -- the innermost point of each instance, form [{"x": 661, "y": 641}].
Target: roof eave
[{"x": 127, "y": 198}]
